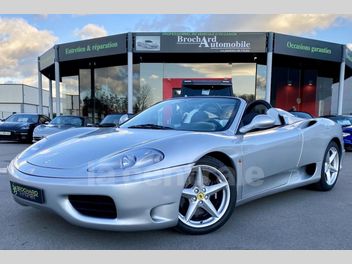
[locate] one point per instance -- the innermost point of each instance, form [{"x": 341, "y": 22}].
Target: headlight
[
  {"x": 345, "y": 134},
  {"x": 129, "y": 159},
  {"x": 25, "y": 127}
]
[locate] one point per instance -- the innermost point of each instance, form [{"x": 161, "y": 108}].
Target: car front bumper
[
  {"x": 16, "y": 135},
  {"x": 141, "y": 204}
]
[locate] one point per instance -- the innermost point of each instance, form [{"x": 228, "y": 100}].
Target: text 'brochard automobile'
[{"x": 184, "y": 163}]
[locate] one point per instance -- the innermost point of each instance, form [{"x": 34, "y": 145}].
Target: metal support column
[
  {"x": 57, "y": 85},
  {"x": 40, "y": 89},
  {"x": 51, "y": 112},
  {"x": 342, "y": 81},
  {"x": 269, "y": 66},
  {"x": 57, "y": 82},
  {"x": 130, "y": 74}
]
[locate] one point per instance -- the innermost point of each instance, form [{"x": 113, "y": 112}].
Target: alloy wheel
[
  {"x": 205, "y": 197},
  {"x": 331, "y": 167}
]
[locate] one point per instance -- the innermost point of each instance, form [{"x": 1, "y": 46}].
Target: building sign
[
  {"x": 308, "y": 48},
  {"x": 349, "y": 57},
  {"x": 47, "y": 59},
  {"x": 193, "y": 42},
  {"x": 91, "y": 48}
]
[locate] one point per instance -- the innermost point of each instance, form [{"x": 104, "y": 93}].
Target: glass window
[
  {"x": 42, "y": 120},
  {"x": 85, "y": 94},
  {"x": 192, "y": 114},
  {"x": 110, "y": 91},
  {"x": 68, "y": 120},
  {"x": 347, "y": 97},
  {"x": 324, "y": 96},
  {"x": 244, "y": 80},
  {"x": 196, "y": 79},
  {"x": 147, "y": 89},
  {"x": 260, "y": 82},
  {"x": 111, "y": 119},
  {"x": 23, "y": 118},
  {"x": 160, "y": 81},
  {"x": 70, "y": 95}
]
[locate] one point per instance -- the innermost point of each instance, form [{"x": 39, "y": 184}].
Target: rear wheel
[
  {"x": 330, "y": 168},
  {"x": 208, "y": 197}
]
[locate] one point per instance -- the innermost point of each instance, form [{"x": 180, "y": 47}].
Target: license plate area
[{"x": 27, "y": 192}]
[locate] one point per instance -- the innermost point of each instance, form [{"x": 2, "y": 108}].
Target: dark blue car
[
  {"x": 20, "y": 126},
  {"x": 347, "y": 138},
  {"x": 346, "y": 122}
]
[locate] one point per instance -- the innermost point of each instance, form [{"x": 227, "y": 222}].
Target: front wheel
[
  {"x": 208, "y": 197},
  {"x": 330, "y": 168}
]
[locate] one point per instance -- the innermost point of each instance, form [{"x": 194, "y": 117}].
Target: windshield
[
  {"x": 192, "y": 114},
  {"x": 349, "y": 119},
  {"x": 111, "y": 119},
  {"x": 341, "y": 120},
  {"x": 67, "y": 120},
  {"x": 301, "y": 115},
  {"x": 23, "y": 118}
]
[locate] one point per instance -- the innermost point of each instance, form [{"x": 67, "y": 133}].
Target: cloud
[
  {"x": 285, "y": 23},
  {"x": 90, "y": 31},
  {"x": 20, "y": 45},
  {"x": 154, "y": 76},
  {"x": 168, "y": 23}
]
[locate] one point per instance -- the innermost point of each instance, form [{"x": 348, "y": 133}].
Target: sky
[{"x": 24, "y": 37}]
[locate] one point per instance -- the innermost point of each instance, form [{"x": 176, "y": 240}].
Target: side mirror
[
  {"x": 258, "y": 122},
  {"x": 123, "y": 119}
]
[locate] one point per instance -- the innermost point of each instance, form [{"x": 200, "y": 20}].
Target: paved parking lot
[{"x": 297, "y": 219}]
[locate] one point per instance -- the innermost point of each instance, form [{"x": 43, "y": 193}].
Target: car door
[{"x": 269, "y": 157}]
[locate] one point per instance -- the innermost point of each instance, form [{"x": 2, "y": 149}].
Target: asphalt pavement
[{"x": 296, "y": 219}]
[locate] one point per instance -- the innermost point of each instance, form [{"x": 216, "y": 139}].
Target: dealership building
[
  {"x": 21, "y": 98},
  {"x": 129, "y": 72}
]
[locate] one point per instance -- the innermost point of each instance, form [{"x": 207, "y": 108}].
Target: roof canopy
[{"x": 193, "y": 47}]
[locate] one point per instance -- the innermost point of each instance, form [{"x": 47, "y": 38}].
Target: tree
[{"x": 142, "y": 98}]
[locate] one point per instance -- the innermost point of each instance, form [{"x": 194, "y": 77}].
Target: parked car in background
[
  {"x": 343, "y": 120},
  {"x": 21, "y": 126},
  {"x": 346, "y": 122},
  {"x": 347, "y": 138},
  {"x": 113, "y": 120},
  {"x": 206, "y": 88},
  {"x": 302, "y": 114},
  {"x": 58, "y": 124}
]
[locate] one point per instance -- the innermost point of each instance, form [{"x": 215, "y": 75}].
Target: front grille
[{"x": 94, "y": 205}]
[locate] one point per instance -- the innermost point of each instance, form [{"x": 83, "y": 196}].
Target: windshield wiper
[{"x": 150, "y": 126}]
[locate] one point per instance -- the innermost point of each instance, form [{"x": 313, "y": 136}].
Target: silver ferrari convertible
[{"x": 184, "y": 163}]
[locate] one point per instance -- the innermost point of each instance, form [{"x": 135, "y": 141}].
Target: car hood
[
  {"x": 83, "y": 150},
  {"x": 12, "y": 125}
]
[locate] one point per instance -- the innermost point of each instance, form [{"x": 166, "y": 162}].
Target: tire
[
  {"x": 206, "y": 205},
  {"x": 330, "y": 169}
]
